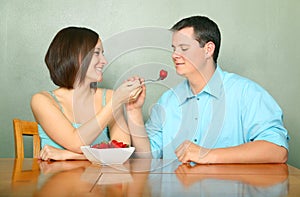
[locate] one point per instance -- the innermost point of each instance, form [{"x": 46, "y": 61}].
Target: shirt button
[
  {"x": 195, "y": 140},
  {"x": 198, "y": 99},
  {"x": 196, "y": 118}
]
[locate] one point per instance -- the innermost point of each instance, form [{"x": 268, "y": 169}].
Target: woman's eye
[{"x": 97, "y": 52}]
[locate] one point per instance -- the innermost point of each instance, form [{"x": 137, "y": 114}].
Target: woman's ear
[{"x": 209, "y": 49}]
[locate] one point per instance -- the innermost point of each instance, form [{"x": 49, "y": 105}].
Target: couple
[{"x": 211, "y": 117}]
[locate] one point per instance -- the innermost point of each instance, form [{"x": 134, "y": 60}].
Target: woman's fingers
[{"x": 46, "y": 153}]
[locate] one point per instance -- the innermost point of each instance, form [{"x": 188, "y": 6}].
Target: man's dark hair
[{"x": 205, "y": 30}]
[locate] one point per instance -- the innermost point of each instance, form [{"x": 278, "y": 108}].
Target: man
[{"x": 213, "y": 116}]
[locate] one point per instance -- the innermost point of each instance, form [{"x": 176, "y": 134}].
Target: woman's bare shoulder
[{"x": 41, "y": 98}]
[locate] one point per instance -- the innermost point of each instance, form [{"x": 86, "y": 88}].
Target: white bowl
[{"x": 108, "y": 155}]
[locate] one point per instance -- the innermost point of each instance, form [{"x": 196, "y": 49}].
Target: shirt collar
[{"x": 214, "y": 87}]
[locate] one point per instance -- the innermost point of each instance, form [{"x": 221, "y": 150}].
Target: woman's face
[{"x": 95, "y": 70}]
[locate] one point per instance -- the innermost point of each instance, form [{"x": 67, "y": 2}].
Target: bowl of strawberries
[{"x": 106, "y": 153}]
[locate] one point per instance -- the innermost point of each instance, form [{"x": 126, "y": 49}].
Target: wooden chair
[{"x": 23, "y": 127}]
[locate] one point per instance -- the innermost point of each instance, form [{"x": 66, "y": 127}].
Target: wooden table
[{"x": 142, "y": 177}]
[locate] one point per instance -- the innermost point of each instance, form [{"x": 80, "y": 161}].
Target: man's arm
[
  {"x": 138, "y": 132},
  {"x": 139, "y": 137},
  {"x": 259, "y": 151}
]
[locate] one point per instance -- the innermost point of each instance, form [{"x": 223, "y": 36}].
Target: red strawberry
[
  {"x": 116, "y": 144},
  {"x": 95, "y": 146},
  {"x": 112, "y": 144},
  {"x": 124, "y": 145},
  {"x": 103, "y": 145},
  {"x": 163, "y": 74}
]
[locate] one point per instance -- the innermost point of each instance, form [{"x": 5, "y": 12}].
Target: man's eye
[
  {"x": 184, "y": 49},
  {"x": 97, "y": 52}
]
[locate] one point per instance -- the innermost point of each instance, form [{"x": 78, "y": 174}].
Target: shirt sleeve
[
  {"x": 154, "y": 130},
  {"x": 262, "y": 117}
]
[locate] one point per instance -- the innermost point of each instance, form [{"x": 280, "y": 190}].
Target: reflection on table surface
[{"x": 144, "y": 177}]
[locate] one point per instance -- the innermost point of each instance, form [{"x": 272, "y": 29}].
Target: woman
[{"x": 78, "y": 113}]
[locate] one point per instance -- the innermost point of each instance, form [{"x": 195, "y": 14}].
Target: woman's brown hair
[{"x": 70, "y": 47}]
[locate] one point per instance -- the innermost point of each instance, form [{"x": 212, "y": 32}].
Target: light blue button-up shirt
[{"x": 229, "y": 111}]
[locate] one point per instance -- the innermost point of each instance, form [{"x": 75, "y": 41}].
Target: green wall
[{"x": 260, "y": 41}]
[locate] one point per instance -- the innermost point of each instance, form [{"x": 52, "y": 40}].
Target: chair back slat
[{"x": 21, "y": 128}]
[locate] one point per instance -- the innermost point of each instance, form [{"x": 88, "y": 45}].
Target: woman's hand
[
  {"x": 52, "y": 153},
  {"x": 138, "y": 102},
  {"x": 125, "y": 91}
]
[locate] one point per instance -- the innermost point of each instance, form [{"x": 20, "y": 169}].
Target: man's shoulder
[
  {"x": 234, "y": 77},
  {"x": 242, "y": 87},
  {"x": 239, "y": 82}
]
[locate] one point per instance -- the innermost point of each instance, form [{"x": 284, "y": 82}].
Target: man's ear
[{"x": 209, "y": 49}]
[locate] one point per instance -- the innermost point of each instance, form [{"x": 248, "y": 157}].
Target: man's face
[{"x": 187, "y": 56}]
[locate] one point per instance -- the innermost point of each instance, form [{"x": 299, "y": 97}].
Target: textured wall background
[{"x": 259, "y": 41}]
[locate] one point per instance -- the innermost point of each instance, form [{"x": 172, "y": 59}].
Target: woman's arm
[
  {"x": 58, "y": 127},
  {"x": 118, "y": 128},
  {"x": 52, "y": 153}
]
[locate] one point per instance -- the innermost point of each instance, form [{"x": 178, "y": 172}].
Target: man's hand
[{"x": 190, "y": 152}]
